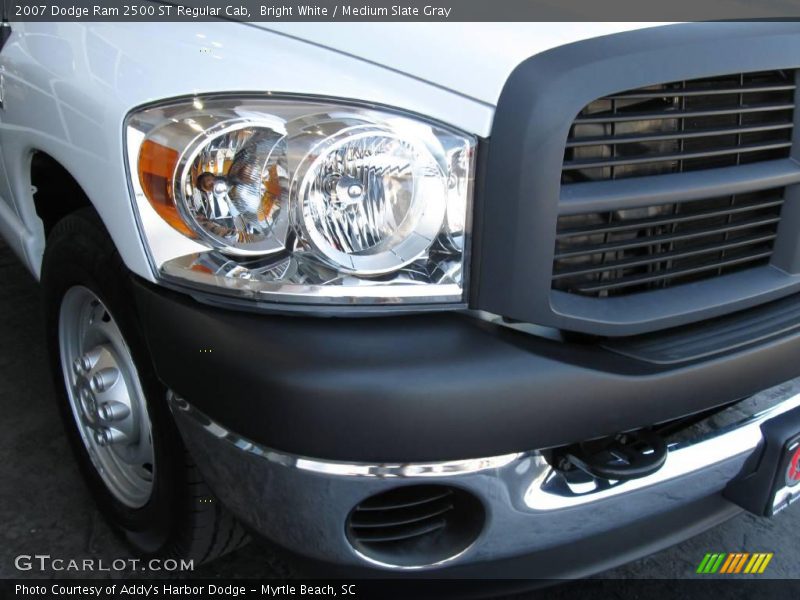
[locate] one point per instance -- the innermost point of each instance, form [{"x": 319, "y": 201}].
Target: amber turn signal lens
[{"x": 156, "y": 171}]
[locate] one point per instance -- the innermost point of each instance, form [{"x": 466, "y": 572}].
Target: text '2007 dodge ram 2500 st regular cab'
[{"x": 398, "y": 301}]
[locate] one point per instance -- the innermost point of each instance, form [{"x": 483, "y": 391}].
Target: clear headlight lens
[
  {"x": 371, "y": 202},
  {"x": 301, "y": 201}
]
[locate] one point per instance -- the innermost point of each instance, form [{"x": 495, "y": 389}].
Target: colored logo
[
  {"x": 793, "y": 472},
  {"x": 736, "y": 562}
]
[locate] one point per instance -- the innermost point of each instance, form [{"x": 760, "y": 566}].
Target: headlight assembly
[{"x": 292, "y": 200}]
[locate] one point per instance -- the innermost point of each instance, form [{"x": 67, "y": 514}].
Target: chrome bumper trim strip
[{"x": 344, "y": 469}]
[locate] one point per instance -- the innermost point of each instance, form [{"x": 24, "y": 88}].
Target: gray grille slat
[
  {"x": 678, "y": 114},
  {"x": 638, "y": 280},
  {"x": 668, "y": 220},
  {"x": 677, "y": 135},
  {"x": 701, "y": 91},
  {"x": 671, "y": 188},
  {"x": 656, "y": 158},
  {"x": 667, "y": 256},
  {"x": 662, "y": 239}
]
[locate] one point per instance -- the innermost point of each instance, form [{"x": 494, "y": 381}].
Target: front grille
[
  {"x": 666, "y": 129},
  {"x": 682, "y": 126},
  {"x": 619, "y": 252}
]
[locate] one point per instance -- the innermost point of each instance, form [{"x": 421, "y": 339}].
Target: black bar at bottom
[{"x": 380, "y": 589}]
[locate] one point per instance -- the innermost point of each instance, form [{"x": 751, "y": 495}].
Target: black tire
[{"x": 182, "y": 518}]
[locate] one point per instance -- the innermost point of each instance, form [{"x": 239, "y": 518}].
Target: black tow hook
[{"x": 620, "y": 457}]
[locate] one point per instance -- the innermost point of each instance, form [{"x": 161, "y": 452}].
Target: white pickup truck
[{"x": 482, "y": 298}]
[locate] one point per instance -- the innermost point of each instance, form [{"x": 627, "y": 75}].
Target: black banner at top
[{"x": 400, "y": 10}]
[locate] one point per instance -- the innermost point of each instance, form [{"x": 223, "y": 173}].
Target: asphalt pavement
[{"x": 45, "y": 509}]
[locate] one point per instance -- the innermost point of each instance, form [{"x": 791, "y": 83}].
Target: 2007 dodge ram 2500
[{"x": 439, "y": 296}]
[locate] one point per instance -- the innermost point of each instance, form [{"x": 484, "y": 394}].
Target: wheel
[{"x": 114, "y": 408}]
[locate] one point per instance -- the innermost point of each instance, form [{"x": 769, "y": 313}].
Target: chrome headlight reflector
[
  {"x": 300, "y": 201},
  {"x": 231, "y": 188}
]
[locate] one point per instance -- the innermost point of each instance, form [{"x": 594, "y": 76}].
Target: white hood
[{"x": 472, "y": 59}]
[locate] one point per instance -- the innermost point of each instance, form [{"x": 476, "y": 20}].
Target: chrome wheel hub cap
[{"x": 106, "y": 397}]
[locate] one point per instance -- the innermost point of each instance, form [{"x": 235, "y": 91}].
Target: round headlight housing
[
  {"x": 233, "y": 189},
  {"x": 370, "y": 201}
]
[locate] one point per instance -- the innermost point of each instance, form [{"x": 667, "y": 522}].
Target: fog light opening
[{"x": 415, "y": 526}]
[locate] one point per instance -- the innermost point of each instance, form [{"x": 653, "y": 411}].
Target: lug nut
[
  {"x": 104, "y": 379},
  {"x": 106, "y": 437},
  {"x": 85, "y": 363},
  {"x": 113, "y": 411}
]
